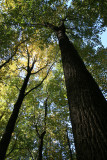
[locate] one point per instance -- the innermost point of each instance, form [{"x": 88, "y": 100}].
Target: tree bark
[
  {"x": 4, "y": 143},
  {"x": 88, "y": 107},
  {"x": 41, "y": 145}
]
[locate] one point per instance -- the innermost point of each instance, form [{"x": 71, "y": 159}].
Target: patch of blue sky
[{"x": 104, "y": 38}]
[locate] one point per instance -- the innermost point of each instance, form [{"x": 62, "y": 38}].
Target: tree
[
  {"x": 4, "y": 143},
  {"x": 24, "y": 141},
  {"x": 41, "y": 136},
  {"x": 86, "y": 102},
  {"x": 87, "y": 105}
]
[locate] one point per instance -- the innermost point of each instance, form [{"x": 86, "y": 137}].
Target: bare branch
[
  {"x": 17, "y": 87},
  {"x": 45, "y": 103},
  {"x": 40, "y": 69},
  {"x": 40, "y": 82}
]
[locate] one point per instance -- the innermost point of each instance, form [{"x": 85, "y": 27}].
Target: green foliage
[{"x": 24, "y": 20}]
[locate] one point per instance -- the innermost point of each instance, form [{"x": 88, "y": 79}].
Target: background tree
[{"x": 22, "y": 93}]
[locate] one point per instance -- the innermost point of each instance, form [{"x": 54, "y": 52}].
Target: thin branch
[
  {"x": 64, "y": 19},
  {"x": 28, "y": 60},
  {"x": 16, "y": 48},
  {"x": 1, "y": 115},
  {"x": 36, "y": 127},
  {"x": 42, "y": 135},
  {"x": 11, "y": 149},
  {"x": 23, "y": 68},
  {"x": 49, "y": 25},
  {"x": 45, "y": 104},
  {"x": 37, "y": 130},
  {"x": 40, "y": 69},
  {"x": 33, "y": 64},
  {"x": 37, "y": 24},
  {"x": 40, "y": 82},
  {"x": 46, "y": 24},
  {"x": 17, "y": 87}
]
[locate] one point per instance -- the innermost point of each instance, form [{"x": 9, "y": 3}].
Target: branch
[
  {"x": 28, "y": 60},
  {"x": 46, "y": 24},
  {"x": 16, "y": 48},
  {"x": 37, "y": 131},
  {"x": 51, "y": 26},
  {"x": 17, "y": 88},
  {"x": 1, "y": 115},
  {"x": 64, "y": 19},
  {"x": 40, "y": 82},
  {"x": 42, "y": 135},
  {"x": 13, "y": 147},
  {"x": 33, "y": 64},
  {"x": 40, "y": 69},
  {"x": 45, "y": 103}
]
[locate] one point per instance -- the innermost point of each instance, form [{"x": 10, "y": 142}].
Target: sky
[{"x": 104, "y": 38}]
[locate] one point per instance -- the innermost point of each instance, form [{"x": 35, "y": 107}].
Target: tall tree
[
  {"x": 5, "y": 140},
  {"x": 41, "y": 135},
  {"x": 86, "y": 103}
]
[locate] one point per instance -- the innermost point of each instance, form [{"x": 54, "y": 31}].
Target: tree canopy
[{"x": 28, "y": 43}]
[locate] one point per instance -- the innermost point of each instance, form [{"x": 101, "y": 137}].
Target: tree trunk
[
  {"x": 88, "y": 107},
  {"x": 4, "y": 143},
  {"x": 41, "y": 145},
  {"x": 69, "y": 145}
]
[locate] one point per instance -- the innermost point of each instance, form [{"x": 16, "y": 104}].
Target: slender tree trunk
[
  {"x": 88, "y": 107},
  {"x": 41, "y": 145},
  {"x": 69, "y": 145},
  {"x": 41, "y": 136},
  {"x": 4, "y": 143}
]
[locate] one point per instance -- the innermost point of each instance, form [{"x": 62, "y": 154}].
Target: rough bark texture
[
  {"x": 88, "y": 107},
  {"x": 4, "y": 143}
]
